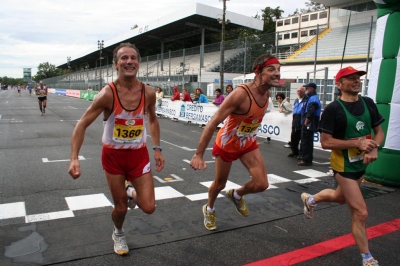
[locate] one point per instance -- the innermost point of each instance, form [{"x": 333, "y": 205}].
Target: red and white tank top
[
  {"x": 125, "y": 129},
  {"x": 239, "y": 130}
]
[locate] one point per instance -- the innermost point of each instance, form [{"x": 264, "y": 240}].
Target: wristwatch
[
  {"x": 379, "y": 147},
  {"x": 157, "y": 147}
]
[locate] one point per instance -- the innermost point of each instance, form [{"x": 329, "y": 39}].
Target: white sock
[
  {"x": 235, "y": 194},
  {"x": 210, "y": 209},
  {"x": 129, "y": 191},
  {"x": 118, "y": 231}
]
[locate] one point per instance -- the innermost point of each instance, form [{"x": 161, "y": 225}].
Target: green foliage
[
  {"x": 268, "y": 15},
  {"x": 310, "y": 7},
  {"x": 12, "y": 81},
  {"x": 46, "y": 70}
]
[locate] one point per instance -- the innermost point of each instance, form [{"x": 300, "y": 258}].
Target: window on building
[
  {"x": 304, "y": 33},
  {"x": 304, "y": 18},
  {"x": 371, "y": 6},
  {"x": 362, "y": 7},
  {"x": 314, "y": 16},
  {"x": 286, "y": 36},
  {"x": 287, "y": 21},
  {"x": 323, "y": 14},
  {"x": 313, "y": 32},
  {"x": 294, "y": 35},
  {"x": 279, "y": 23},
  {"x": 295, "y": 20},
  {"x": 280, "y": 37}
]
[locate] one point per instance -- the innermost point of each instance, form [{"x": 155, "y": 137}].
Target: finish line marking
[{"x": 327, "y": 247}]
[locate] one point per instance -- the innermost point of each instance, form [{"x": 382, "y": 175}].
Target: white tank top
[{"x": 125, "y": 129}]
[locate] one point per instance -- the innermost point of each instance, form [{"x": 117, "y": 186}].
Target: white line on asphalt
[
  {"x": 45, "y": 160},
  {"x": 72, "y": 107},
  {"x": 183, "y": 148},
  {"x": 187, "y": 161},
  {"x": 321, "y": 163}
]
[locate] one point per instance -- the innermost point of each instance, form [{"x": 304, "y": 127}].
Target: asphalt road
[{"x": 46, "y": 217}]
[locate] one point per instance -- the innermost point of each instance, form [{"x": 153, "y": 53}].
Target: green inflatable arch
[{"x": 384, "y": 88}]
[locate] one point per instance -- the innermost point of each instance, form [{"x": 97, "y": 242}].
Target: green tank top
[{"x": 358, "y": 127}]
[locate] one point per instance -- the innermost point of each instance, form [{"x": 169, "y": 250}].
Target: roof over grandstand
[
  {"x": 334, "y": 2},
  {"x": 179, "y": 25}
]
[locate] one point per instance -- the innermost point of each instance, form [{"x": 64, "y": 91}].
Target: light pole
[
  {"x": 221, "y": 67},
  {"x": 100, "y": 46},
  {"x": 69, "y": 75}
]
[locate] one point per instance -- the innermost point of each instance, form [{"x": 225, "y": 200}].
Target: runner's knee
[
  {"x": 148, "y": 208},
  {"x": 260, "y": 184},
  {"x": 121, "y": 208},
  {"x": 360, "y": 215}
]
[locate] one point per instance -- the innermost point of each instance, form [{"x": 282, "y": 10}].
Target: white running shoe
[
  {"x": 131, "y": 201},
  {"x": 308, "y": 209},
  {"x": 120, "y": 246}
]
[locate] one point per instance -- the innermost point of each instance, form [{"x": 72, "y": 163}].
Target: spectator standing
[
  {"x": 309, "y": 124},
  {"x": 295, "y": 136},
  {"x": 176, "y": 96},
  {"x": 186, "y": 96},
  {"x": 219, "y": 98},
  {"x": 159, "y": 95},
  {"x": 284, "y": 106},
  {"x": 228, "y": 89},
  {"x": 200, "y": 97}
]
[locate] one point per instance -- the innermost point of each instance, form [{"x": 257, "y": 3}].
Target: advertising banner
[{"x": 277, "y": 126}]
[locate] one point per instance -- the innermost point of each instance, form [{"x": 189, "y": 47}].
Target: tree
[
  {"x": 12, "y": 81},
  {"x": 311, "y": 6},
  {"x": 314, "y": 6},
  {"x": 46, "y": 70},
  {"x": 270, "y": 15}
]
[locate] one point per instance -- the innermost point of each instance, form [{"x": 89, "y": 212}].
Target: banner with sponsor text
[{"x": 277, "y": 126}]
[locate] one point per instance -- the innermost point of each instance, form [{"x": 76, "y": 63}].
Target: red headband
[{"x": 270, "y": 61}]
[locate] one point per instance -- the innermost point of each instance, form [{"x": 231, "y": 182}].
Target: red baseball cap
[{"x": 348, "y": 71}]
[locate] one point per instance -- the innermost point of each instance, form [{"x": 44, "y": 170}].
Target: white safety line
[
  {"x": 321, "y": 163},
  {"x": 183, "y": 148},
  {"x": 187, "y": 161},
  {"x": 45, "y": 160}
]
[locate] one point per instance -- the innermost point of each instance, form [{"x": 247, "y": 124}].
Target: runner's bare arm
[
  {"x": 238, "y": 102},
  {"x": 102, "y": 102}
]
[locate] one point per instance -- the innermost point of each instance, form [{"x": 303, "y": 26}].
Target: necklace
[{"x": 263, "y": 93}]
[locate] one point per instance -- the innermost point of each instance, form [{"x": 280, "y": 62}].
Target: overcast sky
[{"x": 33, "y": 32}]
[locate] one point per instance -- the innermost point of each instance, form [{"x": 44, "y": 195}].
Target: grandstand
[
  {"x": 199, "y": 64},
  {"x": 331, "y": 46}
]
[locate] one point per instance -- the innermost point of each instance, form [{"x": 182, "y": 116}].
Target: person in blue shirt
[
  {"x": 295, "y": 136},
  {"x": 200, "y": 97},
  {"x": 309, "y": 124}
]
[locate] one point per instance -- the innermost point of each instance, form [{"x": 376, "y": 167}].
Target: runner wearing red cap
[{"x": 346, "y": 128}]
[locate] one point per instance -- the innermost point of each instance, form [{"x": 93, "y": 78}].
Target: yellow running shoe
[
  {"x": 239, "y": 204},
  {"x": 209, "y": 219}
]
